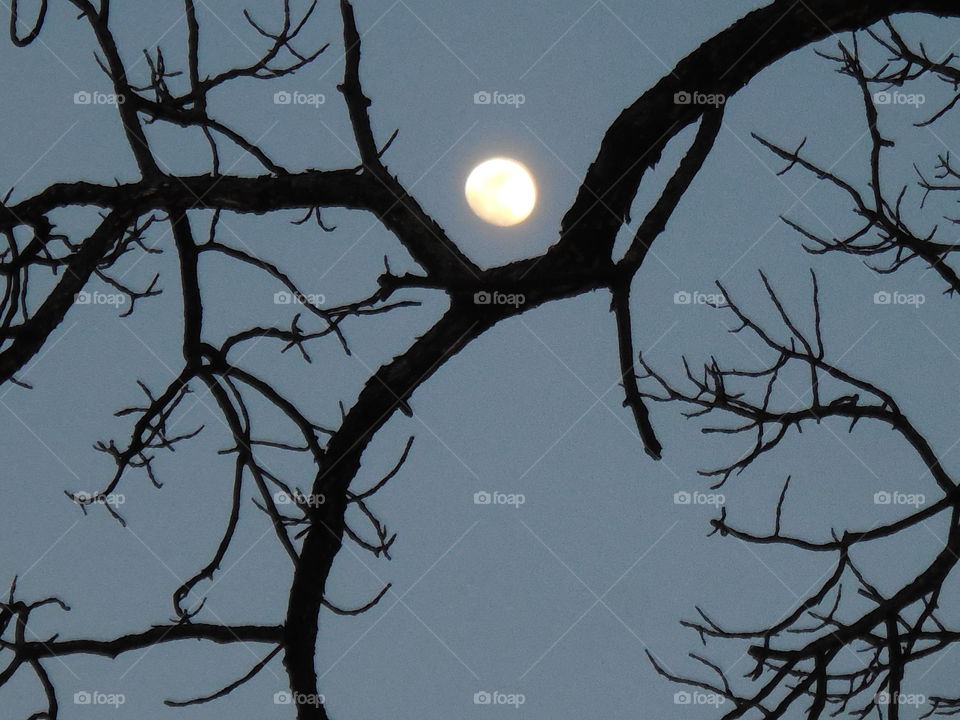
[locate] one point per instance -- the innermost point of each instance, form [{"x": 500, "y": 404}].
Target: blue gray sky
[{"x": 556, "y": 599}]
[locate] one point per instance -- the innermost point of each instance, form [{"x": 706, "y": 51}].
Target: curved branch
[{"x": 721, "y": 66}]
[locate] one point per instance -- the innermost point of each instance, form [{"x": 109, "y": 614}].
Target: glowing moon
[{"x": 501, "y": 192}]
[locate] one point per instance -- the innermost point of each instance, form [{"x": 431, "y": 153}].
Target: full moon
[{"x": 501, "y": 192}]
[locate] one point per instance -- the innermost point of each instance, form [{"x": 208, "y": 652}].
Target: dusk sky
[{"x": 557, "y": 597}]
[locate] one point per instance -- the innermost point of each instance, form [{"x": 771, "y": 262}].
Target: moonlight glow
[{"x": 501, "y": 192}]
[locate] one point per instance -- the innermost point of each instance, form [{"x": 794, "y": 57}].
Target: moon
[{"x": 501, "y": 192}]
